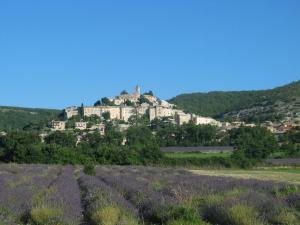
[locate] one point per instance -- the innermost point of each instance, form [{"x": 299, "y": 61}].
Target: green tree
[
  {"x": 16, "y": 145},
  {"x": 124, "y": 92},
  {"x": 98, "y": 103},
  {"x": 142, "y": 140},
  {"x": 106, "y": 101},
  {"x": 106, "y": 115},
  {"x": 143, "y": 99},
  {"x": 129, "y": 103},
  {"x": 64, "y": 139},
  {"x": 254, "y": 142},
  {"x": 291, "y": 143},
  {"x": 149, "y": 93}
]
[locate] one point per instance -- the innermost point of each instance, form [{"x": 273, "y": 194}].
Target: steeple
[{"x": 137, "y": 90}]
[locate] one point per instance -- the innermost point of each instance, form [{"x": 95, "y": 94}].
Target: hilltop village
[{"x": 124, "y": 108}]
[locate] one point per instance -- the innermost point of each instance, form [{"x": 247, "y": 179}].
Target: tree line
[{"x": 140, "y": 145}]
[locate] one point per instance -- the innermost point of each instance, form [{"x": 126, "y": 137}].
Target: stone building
[
  {"x": 123, "y": 127},
  {"x": 71, "y": 111},
  {"x": 58, "y": 125},
  {"x": 99, "y": 127},
  {"x": 182, "y": 118},
  {"x": 92, "y": 110},
  {"x": 81, "y": 125},
  {"x": 160, "y": 112},
  {"x": 114, "y": 111},
  {"x": 134, "y": 98},
  {"x": 126, "y": 112},
  {"x": 151, "y": 98},
  {"x": 142, "y": 109},
  {"x": 200, "y": 120}
]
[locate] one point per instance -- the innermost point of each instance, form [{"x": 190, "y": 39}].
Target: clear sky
[{"x": 64, "y": 52}]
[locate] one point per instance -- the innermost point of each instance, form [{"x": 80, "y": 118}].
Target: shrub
[
  {"x": 242, "y": 215},
  {"x": 107, "y": 215},
  {"x": 285, "y": 217},
  {"x": 46, "y": 216},
  {"x": 186, "y": 222},
  {"x": 182, "y": 214},
  {"x": 285, "y": 190},
  {"x": 223, "y": 209},
  {"x": 89, "y": 169},
  {"x": 112, "y": 215}
]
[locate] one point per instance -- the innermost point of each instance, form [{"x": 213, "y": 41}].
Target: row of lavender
[
  {"x": 57, "y": 195},
  {"x": 38, "y": 194},
  {"x": 163, "y": 196},
  {"x": 51, "y": 195}
]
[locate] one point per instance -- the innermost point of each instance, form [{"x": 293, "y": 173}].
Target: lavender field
[{"x": 116, "y": 195}]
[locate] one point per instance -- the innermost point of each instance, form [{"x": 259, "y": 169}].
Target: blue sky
[{"x": 59, "y": 53}]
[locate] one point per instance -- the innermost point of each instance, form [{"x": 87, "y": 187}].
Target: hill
[
  {"x": 252, "y": 106},
  {"x": 16, "y": 118}
]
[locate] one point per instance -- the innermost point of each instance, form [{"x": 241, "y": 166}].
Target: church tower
[{"x": 137, "y": 90}]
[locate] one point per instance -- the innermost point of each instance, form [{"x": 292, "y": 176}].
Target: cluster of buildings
[
  {"x": 152, "y": 107},
  {"x": 81, "y": 125},
  {"x": 280, "y": 127}
]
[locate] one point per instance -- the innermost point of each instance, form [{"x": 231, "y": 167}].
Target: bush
[
  {"x": 89, "y": 169},
  {"x": 112, "y": 215},
  {"x": 107, "y": 215},
  {"x": 222, "y": 209},
  {"x": 284, "y": 217},
  {"x": 182, "y": 214},
  {"x": 242, "y": 215},
  {"x": 186, "y": 222},
  {"x": 46, "y": 216}
]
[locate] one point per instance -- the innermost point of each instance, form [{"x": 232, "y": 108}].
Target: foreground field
[{"x": 57, "y": 195}]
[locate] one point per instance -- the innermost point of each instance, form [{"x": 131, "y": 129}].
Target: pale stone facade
[
  {"x": 182, "y": 118},
  {"x": 81, "y": 125},
  {"x": 126, "y": 112},
  {"x": 151, "y": 98},
  {"x": 92, "y": 110},
  {"x": 200, "y": 120},
  {"x": 160, "y": 112},
  {"x": 142, "y": 109},
  {"x": 166, "y": 104},
  {"x": 58, "y": 125},
  {"x": 99, "y": 127},
  {"x": 71, "y": 111},
  {"x": 114, "y": 111}
]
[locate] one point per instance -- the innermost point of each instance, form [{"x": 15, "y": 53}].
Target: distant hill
[
  {"x": 16, "y": 118},
  {"x": 252, "y": 106}
]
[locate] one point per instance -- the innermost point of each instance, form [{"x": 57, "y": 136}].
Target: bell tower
[{"x": 137, "y": 90}]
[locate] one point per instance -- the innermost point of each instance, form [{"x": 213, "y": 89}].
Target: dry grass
[{"x": 289, "y": 176}]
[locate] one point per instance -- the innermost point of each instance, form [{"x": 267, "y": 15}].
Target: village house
[
  {"x": 71, "y": 111},
  {"x": 200, "y": 120},
  {"x": 58, "y": 125},
  {"x": 182, "y": 118},
  {"x": 81, "y": 125}
]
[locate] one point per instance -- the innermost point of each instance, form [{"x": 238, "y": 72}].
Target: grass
[
  {"x": 290, "y": 175},
  {"x": 112, "y": 215},
  {"x": 46, "y": 216},
  {"x": 200, "y": 155}
]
